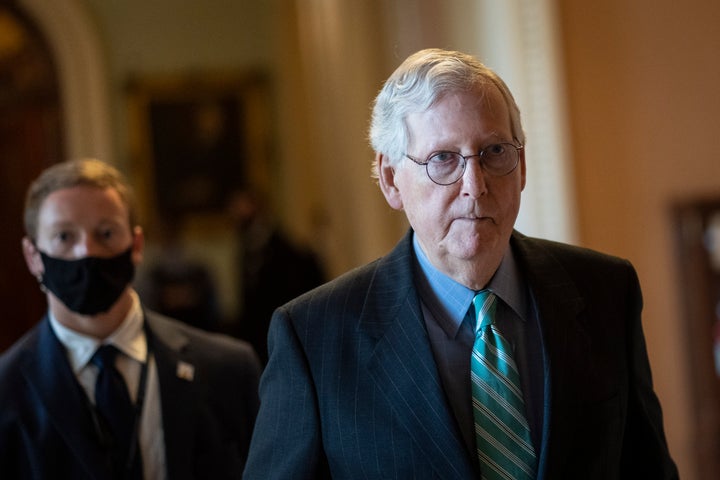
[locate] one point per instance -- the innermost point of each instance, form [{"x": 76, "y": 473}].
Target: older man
[{"x": 470, "y": 350}]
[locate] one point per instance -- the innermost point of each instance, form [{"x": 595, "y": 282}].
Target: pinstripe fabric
[
  {"x": 501, "y": 429},
  {"x": 352, "y": 391}
]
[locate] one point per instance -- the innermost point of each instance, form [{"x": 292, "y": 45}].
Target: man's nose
[
  {"x": 87, "y": 246},
  {"x": 473, "y": 179}
]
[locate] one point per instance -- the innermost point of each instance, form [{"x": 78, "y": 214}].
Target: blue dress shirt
[{"x": 445, "y": 305}]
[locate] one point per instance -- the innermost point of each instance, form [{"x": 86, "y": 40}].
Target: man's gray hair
[{"x": 416, "y": 85}]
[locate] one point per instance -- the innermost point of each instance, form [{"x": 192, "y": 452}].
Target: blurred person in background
[
  {"x": 274, "y": 268},
  {"x": 102, "y": 388},
  {"x": 175, "y": 283}
]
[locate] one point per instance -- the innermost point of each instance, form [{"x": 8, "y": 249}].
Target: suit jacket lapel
[
  {"x": 177, "y": 400},
  {"x": 403, "y": 367},
  {"x": 68, "y": 409},
  {"x": 556, "y": 297},
  {"x": 558, "y": 304}
]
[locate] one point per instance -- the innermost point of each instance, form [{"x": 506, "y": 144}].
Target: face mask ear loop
[{"x": 39, "y": 276}]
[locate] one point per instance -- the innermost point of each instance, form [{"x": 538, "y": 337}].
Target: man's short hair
[{"x": 89, "y": 172}]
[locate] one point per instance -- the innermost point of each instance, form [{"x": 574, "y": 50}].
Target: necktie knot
[
  {"x": 104, "y": 356},
  {"x": 484, "y": 303}
]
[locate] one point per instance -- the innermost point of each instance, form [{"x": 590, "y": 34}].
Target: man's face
[
  {"x": 84, "y": 221},
  {"x": 467, "y": 224}
]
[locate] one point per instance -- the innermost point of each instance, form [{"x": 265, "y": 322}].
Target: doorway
[{"x": 30, "y": 140}]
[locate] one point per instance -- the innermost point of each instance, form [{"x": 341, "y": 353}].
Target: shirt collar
[
  {"x": 449, "y": 300},
  {"x": 446, "y": 299},
  {"x": 508, "y": 284},
  {"x": 129, "y": 338}
]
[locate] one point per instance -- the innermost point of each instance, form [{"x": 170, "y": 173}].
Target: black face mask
[{"x": 89, "y": 285}]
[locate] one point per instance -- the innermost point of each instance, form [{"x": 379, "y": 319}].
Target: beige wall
[{"x": 643, "y": 82}]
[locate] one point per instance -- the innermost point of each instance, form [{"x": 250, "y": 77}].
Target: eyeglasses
[{"x": 446, "y": 168}]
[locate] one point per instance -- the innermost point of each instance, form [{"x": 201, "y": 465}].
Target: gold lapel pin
[{"x": 185, "y": 371}]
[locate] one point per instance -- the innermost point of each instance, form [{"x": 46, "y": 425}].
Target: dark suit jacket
[
  {"x": 351, "y": 389},
  {"x": 47, "y": 431}
]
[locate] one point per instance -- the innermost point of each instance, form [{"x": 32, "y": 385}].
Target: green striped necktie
[{"x": 502, "y": 434}]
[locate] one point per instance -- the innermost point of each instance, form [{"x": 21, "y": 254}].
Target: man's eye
[
  {"x": 495, "y": 149},
  {"x": 106, "y": 234},
  {"x": 444, "y": 157}
]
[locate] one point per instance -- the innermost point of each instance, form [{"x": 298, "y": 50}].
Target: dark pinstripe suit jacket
[
  {"x": 47, "y": 432},
  {"x": 352, "y": 391}
]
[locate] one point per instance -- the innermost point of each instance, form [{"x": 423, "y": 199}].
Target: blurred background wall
[{"x": 620, "y": 101}]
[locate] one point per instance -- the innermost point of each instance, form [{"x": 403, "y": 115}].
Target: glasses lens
[
  {"x": 500, "y": 159},
  {"x": 445, "y": 167}
]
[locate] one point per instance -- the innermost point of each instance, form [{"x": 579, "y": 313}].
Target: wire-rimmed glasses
[{"x": 446, "y": 168}]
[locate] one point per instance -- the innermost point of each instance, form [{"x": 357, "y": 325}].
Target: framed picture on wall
[{"x": 194, "y": 139}]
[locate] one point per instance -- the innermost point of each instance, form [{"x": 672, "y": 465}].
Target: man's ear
[
  {"x": 386, "y": 179},
  {"x": 138, "y": 245},
  {"x": 32, "y": 258},
  {"x": 523, "y": 170}
]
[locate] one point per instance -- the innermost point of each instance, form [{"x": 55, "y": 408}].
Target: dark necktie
[
  {"x": 113, "y": 403},
  {"x": 501, "y": 429}
]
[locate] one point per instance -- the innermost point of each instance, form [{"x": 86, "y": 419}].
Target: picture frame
[{"x": 196, "y": 138}]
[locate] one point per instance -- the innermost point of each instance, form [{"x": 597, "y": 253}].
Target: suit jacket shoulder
[
  {"x": 209, "y": 347},
  {"x": 209, "y": 395},
  {"x": 351, "y": 389},
  {"x": 578, "y": 262},
  {"x": 602, "y": 418}
]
